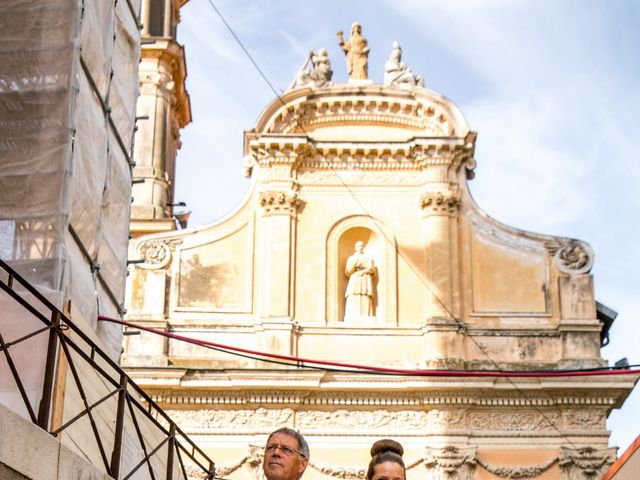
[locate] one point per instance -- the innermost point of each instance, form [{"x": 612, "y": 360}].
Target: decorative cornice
[
  {"x": 400, "y": 112},
  {"x": 417, "y": 154},
  {"x": 508, "y": 423},
  {"x": 170, "y": 53},
  {"x": 482, "y": 398}
]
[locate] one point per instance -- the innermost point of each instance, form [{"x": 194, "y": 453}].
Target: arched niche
[{"x": 380, "y": 244}]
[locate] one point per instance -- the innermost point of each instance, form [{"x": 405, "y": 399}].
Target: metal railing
[{"x": 140, "y": 426}]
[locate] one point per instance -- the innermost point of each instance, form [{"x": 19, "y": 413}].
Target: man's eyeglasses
[{"x": 288, "y": 451}]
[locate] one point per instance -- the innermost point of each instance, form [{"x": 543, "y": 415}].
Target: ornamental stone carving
[
  {"x": 279, "y": 202},
  {"x": 337, "y": 471},
  {"x": 455, "y": 419},
  {"x": 440, "y": 203},
  {"x": 248, "y": 162},
  {"x": 157, "y": 253},
  {"x": 572, "y": 257},
  {"x": 195, "y": 473},
  {"x": 262, "y": 419},
  {"x": 584, "y": 419},
  {"x": 513, "y": 421},
  {"x": 366, "y": 419},
  {"x": 254, "y": 462},
  {"x": 450, "y": 463},
  {"x": 338, "y": 178},
  {"x": 585, "y": 463}
]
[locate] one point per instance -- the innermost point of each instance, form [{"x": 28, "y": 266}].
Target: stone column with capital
[
  {"x": 163, "y": 108},
  {"x": 443, "y": 342},
  {"x": 276, "y": 273}
]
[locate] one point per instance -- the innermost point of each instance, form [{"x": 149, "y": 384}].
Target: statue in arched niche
[{"x": 359, "y": 295}]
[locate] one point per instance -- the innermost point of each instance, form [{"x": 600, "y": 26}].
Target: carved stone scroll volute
[
  {"x": 572, "y": 257},
  {"x": 157, "y": 253}
]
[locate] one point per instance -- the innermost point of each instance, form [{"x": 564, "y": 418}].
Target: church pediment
[
  {"x": 360, "y": 234},
  {"x": 360, "y": 113}
]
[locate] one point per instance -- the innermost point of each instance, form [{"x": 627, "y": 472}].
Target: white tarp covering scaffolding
[{"x": 68, "y": 90}]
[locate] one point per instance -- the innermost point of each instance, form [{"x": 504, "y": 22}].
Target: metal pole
[
  {"x": 172, "y": 443},
  {"x": 49, "y": 372},
  {"x": 117, "y": 440},
  {"x": 212, "y": 471}
]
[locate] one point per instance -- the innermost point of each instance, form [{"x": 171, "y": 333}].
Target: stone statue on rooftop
[
  {"x": 356, "y": 50},
  {"x": 320, "y": 73},
  {"x": 396, "y": 73}
]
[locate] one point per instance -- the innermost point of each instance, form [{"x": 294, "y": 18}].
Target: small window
[{"x": 156, "y": 18}]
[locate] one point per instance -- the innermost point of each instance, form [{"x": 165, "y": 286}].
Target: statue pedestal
[{"x": 354, "y": 81}]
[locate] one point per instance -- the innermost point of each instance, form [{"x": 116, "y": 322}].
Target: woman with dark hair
[{"x": 386, "y": 461}]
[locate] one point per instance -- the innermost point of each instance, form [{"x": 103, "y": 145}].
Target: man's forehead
[{"x": 281, "y": 437}]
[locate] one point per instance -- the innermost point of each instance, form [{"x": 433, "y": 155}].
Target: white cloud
[{"x": 514, "y": 162}]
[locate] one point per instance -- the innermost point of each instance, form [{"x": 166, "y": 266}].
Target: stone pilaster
[
  {"x": 440, "y": 211},
  {"x": 278, "y": 232},
  {"x": 443, "y": 341}
]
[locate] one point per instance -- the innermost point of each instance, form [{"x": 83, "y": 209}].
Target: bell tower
[{"x": 163, "y": 109}]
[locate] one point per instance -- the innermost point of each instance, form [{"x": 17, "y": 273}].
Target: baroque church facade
[{"x": 359, "y": 243}]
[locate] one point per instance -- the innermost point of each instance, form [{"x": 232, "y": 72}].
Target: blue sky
[{"x": 551, "y": 86}]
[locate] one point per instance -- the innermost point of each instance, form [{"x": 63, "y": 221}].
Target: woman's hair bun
[{"x": 386, "y": 445}]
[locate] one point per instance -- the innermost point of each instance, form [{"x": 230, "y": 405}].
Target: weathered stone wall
[{"x": 29, "y": 453}]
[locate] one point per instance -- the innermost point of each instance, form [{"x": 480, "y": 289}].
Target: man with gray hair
[{"x": 286, "y": 455}]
